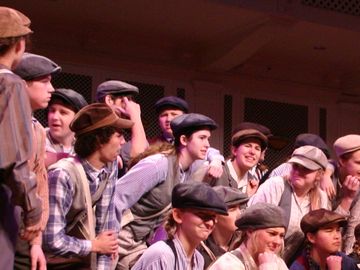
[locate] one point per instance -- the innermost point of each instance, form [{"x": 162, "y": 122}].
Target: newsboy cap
[
  {"x": 310, "y": 157},
  {"x": 197, "y": 195},
  {"x": 347, "y": 144},
  {"x": 191, "y": 122},
  {"x": 13, "y": 23},
  {"x": 316, "y": 219},
  {"x": 95, "y": 116},
  {"x": 113, "y": 87},
  {"x": 32, "y": 66},
  {"x": 261, "y": 216},
  {"x": 231, "y": 196},
  {"x": 313, "y": 140},
  {"x": 245, "y": 134},
  {"x": 70, "y": 97},
  {"x": 171, "y": 102}
]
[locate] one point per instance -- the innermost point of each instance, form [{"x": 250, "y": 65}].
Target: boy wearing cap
[
  {"x": 16, "y": 149},
  {"x": 146, "y": 188},
  {"x": 60, "y": 140},
  {"x": 196, "y": 207},
  {"x": 36, "y": 70},
  {"x": 322, "y": 230},
  {"x": 225, "y": 236},
  {"x": 74, "y": 232}
]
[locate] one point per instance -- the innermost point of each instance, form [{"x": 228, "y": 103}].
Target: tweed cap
[
  {"x": 191, "y": 122},
  {"x": 69, "y": 96},
  {"x": 313, "y": 140},
  {"x": 347, "y": 144},
  {"x": 115, "y": 88},
  {"x": 310, "y": 157},
  {"x": 244, "y": 134},
  {"x": 13, "y": 23},
  {"x": 197, "y": 195},
  {"x": 231, "y": 196},
  {"x": 261, "y": 216},
  {"x": 33, "y": 66},
  {"x": 320, "y": 218},
  {"x": 95, "y": 116},
  {"x": 171, "y": 102}
]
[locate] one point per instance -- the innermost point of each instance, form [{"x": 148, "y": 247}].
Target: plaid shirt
[{"x": 61, "y": 190}]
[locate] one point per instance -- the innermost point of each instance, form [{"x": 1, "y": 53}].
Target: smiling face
[
  {"x": 247, "y": 154},
  {"x": 350, "y": 164},
  {"x": 326, "y": 240},
  {"x": 39, "y": 91},
  {"x": 265, "y": 240}
]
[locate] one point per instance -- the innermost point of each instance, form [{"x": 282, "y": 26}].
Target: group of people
[{"x": 76, "y": 195}]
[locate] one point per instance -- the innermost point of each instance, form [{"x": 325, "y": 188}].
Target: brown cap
[
  {"x": 316, "y": 219},
  {"x": 13, "y": 23},
  {"x": 244, "y": 134},
  {"x": 97, "y": 115},
  {"x": 309, "y": 157},
  {"x": 347, "y": 144}
]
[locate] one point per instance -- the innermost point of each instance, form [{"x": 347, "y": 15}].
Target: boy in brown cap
[
  {"x": 16, "y": 148},
  {"x": 322, "y": 230},
  {"x": 77, "y": 184}
]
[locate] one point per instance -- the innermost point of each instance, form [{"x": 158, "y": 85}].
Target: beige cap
[
  {"x": 347, "y": 144},
  {"x": 13, "y": 23},
  {"x": 310, "y": 157}
]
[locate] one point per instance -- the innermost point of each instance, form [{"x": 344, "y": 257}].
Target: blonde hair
[{"x": 170, "y": 225}]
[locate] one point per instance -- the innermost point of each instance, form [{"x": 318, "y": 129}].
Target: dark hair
[
  {"x": 88, "y": 143},
  {"x": 187, "y": 133},
  {"x": 7, "y": 43}
]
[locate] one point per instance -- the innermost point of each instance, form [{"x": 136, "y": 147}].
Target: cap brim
[
  {"x": 122, "y": 123},
  {"x": 307, "y": 163}
]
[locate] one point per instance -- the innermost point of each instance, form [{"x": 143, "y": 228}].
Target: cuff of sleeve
[
  {"x": 86, "y": 247},
  {"x": 37, "y": 240}
]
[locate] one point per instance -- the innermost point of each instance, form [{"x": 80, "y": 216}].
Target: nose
[
  {"x": 51, "y": 88},
  {"x": 211, "y": 222},
  {"x": 122, "y": 140},
  {"x": 207, "y": 143},
  {"x": 278, "y": 240}
]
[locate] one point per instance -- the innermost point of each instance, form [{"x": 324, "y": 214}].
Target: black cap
[
  {"x": 191, "y": 122},
  {"x": 197, "y": 195},
  {"x": 34, "y": 66},
  {"x": 313, "y": 140},
  {"x": 231, "y": 196},
  {"x": 69, "y": 96},
  {"x": 171, "y": 102},
  {"x": 115, "y": 88}
]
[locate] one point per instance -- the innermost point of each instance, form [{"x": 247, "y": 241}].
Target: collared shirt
[
  {"x": 61, "y": 195},
  {"x": 243, "y": 182},
  {"x": 53, "y": 146},
  {"x": 160, "y": 256}
]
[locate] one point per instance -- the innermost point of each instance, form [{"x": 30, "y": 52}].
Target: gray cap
[
  {"x": 309, "y": 157},
  {"x": 115, "y": 88},
  {"x": 261, "y": 216},
  {"x": 347, "y": 144},
  {"x": 34, "y": 66},
  {"x": 191, "y": 122},
  {"x": 69, "y": 96},
  {"x": 171, "y": 102},
  {"x": 231, "y": 196}
]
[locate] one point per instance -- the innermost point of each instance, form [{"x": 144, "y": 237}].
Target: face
[
  {"x": 165, "y": 118},
  {"x": 326, "y": 239},
  {"x": 303, "y": 179},
  {"x": 351, "y": 166},
  {"x": 247, "y": 154},
  {"x": 39, "y": 92},
  {"x": 110, "y": 150},
  {"x": 117, "y": 101},
  {"x": 198, "y": 144},
  {"x": 267, "y": 240},
  {"x": 227, "y": 223},
  {"x": 59, "y": 119}
]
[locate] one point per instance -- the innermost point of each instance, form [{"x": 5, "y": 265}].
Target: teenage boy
[
  {"x": 75, "y": 232},
  {"x": 17, "y": 183}
]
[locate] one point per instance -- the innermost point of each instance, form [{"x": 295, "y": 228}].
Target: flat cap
[
  {"x": 191, "y": 122},
  {"x": 113, "y": 87},
  {"x": 95, "y": 116},
  {"x": 171, "y": 102},
  {"x": 13, "y": 23},
  {"x": 197, "y": 195},
  {"x": 313, "y": 140},
  {"x": 309, "y": 157},
  {"x": 69, "y": 96},
  {"x": 231, "y": 196},
  {"x": 319, "y": 218},
  {"x": 32, "y": 66},
  {"x": 261, "y": 216},
  {"x": 245, "y": 134},
  {"x": 347, "y": 144}
]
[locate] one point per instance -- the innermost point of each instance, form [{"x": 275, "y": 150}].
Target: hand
[
  {"x": 37, "y": 258},
  {"x": 30, "y": 232},
  {"x": 334, "y": 262},
  {"x": 350, "y": 187},
  {"x": 267, "y": 257},
  {"x": 215, "y": 169},
  {"x": 130, "y": 109},
  {"x": 252, "y": 187},
  {"x": 327, "y": 185},
  {"x": 105, "y": 243}
]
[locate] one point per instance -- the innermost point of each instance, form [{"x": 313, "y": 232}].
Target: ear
[
  {"x": 311, "y": 237},
  {"x": 183, "y": 140},
  {"x": 108, "y": 100},
  {"x": 177, "y": 215},
  {"x": 233, "y": 150},
  {"x": 341, "y": 162}
]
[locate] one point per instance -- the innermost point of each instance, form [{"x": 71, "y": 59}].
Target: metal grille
[
  {"x": 351, "y": 7},
  {"x": 180, "y": 92},
  {"x": 79, "y": 83},
  {"x": 322, "y": 123},
  {"x": 286, "y": 120},
  {"x": 228, "y": 104}
]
